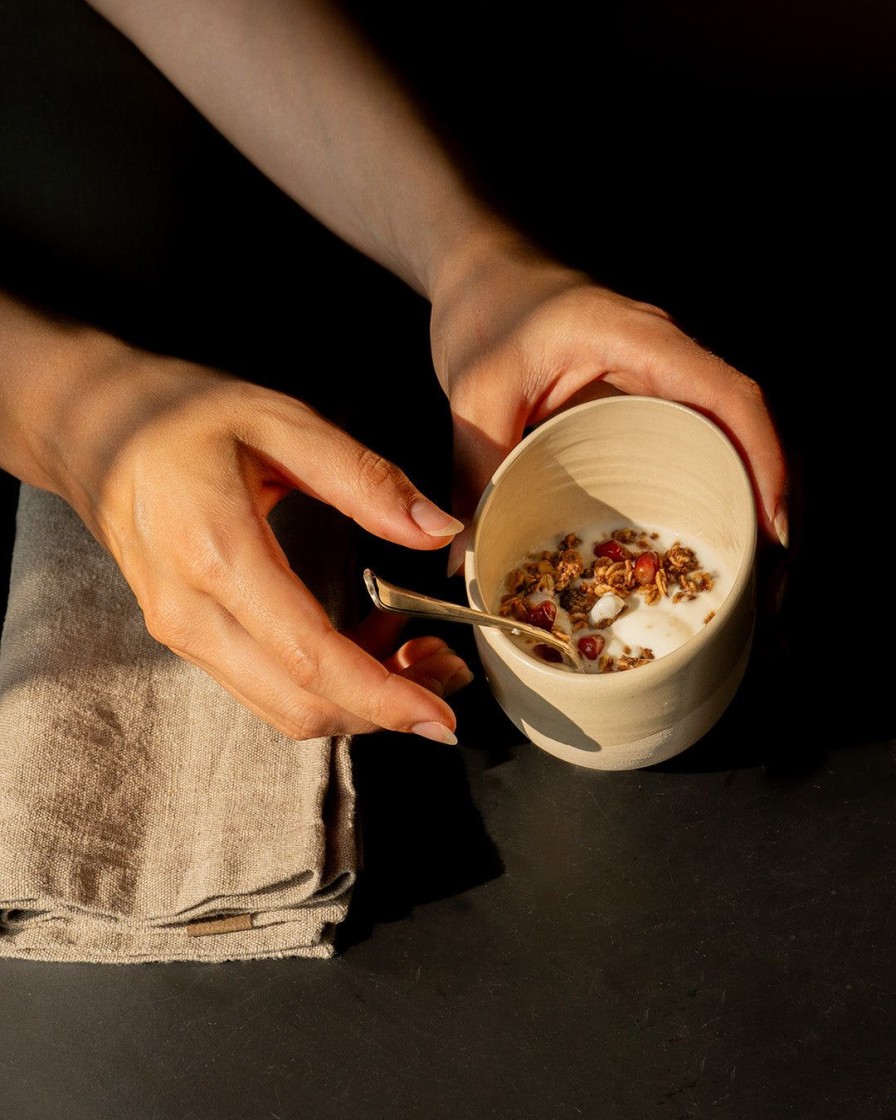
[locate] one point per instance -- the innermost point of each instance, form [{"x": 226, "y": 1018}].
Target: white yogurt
[{"x": 659, "y": 627}]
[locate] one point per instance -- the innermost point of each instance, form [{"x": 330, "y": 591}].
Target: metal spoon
[{"x": 399, "y": 600}]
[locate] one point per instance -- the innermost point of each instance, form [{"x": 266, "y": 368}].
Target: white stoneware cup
[{"x": 637, "y": 460}]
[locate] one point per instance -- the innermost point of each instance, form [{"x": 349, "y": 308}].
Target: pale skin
[{"x": 516, "y": 336}]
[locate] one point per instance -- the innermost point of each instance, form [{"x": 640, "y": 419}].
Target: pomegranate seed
[
  {"x": 611, "y": 550},
  {"x": 591, "y": 646},
  {"x": 547, "y": 653},
  {"x": 543, "y": 615},
  {"x": 646, "y": 567}
]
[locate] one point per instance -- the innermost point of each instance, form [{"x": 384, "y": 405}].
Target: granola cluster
[{"x": 589, "y": 593}]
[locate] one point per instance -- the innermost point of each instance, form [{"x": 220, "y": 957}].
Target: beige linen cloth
[{"x": 145, "y": 815}]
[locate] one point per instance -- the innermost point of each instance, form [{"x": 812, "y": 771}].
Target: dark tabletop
[
  {"x": 529, "y": 940},
  {"x": 708, "y": 938}
]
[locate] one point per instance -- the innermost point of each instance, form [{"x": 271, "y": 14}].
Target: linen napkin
[{"x": 145, "y": 815}]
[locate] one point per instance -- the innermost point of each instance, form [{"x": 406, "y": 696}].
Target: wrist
[
  {"x": 54, "y": 376},
  {"x": 472, "y": 253}
]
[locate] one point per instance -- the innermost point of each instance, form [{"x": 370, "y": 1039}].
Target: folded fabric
[{"x": 145, "y": 815}]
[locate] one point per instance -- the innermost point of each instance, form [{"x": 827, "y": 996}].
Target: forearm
[
  {"x": 69, "y": 396},
  {"x": 294, "y": 87},
  {"x": 44, "y": 364}
]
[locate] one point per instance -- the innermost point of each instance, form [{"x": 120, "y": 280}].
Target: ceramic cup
[{"x": 631, "y": 460}]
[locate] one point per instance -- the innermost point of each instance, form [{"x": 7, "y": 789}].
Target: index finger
[
  {"x": 695, "y": 377},
  {"x": 279, "y": 612}
]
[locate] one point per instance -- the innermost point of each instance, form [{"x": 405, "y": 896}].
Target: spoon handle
[{"x": 388, "y": 597}]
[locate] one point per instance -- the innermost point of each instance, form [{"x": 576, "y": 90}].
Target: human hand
[
  {"x": 516, "y": 338},
  {"x": 174, "y": 468}
]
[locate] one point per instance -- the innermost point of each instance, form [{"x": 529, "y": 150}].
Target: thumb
[{"x": 481, "y": 443}]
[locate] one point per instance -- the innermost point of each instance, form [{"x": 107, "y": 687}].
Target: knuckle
[
  {"x": 166, "y": 621},
  {"x": 753, "y": 390},
  {"x": 375, "y": 471},
  {"x": 299, "y": 721},
  {"x": 208, "y": 560},
  {"x": 657, "y": 312},
  {"x": 384, "y": 707},
  {"x": 649, "y": 312},
  {"x": 303, "y": 664}
]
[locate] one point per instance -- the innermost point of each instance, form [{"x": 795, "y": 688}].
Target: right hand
[
  {"x": 517, "y": 337},
  {"x": 174, "y": 468}
]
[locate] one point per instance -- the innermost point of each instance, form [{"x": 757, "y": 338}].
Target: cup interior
[{"x": 632, "y": 460}]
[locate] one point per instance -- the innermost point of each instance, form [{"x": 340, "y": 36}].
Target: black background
[
  {"x": 710, "y": 938},
  {"x": 729, "y": 163}
]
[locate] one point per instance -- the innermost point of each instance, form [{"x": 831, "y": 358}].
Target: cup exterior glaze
[{"x": 621, "y": 459}]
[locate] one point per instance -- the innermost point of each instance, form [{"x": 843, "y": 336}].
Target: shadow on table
[
  {"x": 806, "y": 690},
  {"x": 421, "y": 835},
  {"x": 9, "y": 496}
]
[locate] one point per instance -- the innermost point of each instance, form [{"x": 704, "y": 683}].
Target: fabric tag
[{"x": 230, "y": 923}]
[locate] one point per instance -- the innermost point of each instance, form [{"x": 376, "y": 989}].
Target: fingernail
[
  {"x": 433, "y": 520},
  {"x": 438, "y": 732},
  {"x": 781, "y": 523},
  {"x": 456, "y": 553},
  {"x": 457, "y": 681}
]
